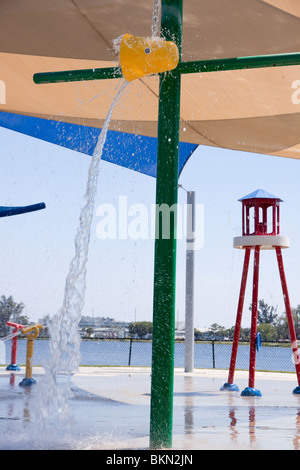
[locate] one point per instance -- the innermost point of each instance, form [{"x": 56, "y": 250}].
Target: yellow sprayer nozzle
[
  {"x": 145, "y": 56},
  {"x": 34, "y": 328}
]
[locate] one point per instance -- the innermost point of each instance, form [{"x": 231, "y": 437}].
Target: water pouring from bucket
[{"x": 138, "y": 57}]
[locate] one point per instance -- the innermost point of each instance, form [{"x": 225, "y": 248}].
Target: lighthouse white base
[{"x": 266, "y": 242}]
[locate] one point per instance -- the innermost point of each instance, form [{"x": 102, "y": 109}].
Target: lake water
[{"x": 117, "y": 353}]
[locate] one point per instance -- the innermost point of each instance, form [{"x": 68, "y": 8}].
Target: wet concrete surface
[{"x": 110, "y": 409}]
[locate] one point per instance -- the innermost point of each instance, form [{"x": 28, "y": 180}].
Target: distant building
[
  {"x": 103, "y": 327},
  {"x": 95, "y": 322},
  {"x": 110, "y": 333},
  {"x": 179, "y": 330}
]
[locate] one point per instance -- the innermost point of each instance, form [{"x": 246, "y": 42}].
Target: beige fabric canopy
[{"x": 250, "y": 110}]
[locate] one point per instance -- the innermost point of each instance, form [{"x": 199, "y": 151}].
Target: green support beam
[
  {"x": 197, "y": 66},
  {"x": 239, "y": 63},
  {"x": 78, "y": 75},
  {"x": 161, "y": 416}
]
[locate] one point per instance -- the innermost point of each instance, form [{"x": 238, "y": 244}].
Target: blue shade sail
[{"x": 135, "y": 152}]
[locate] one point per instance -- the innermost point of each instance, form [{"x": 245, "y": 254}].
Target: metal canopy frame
[{"x": 166, "y": 193}]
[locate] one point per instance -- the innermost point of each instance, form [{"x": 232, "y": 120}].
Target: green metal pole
[
  {"x": 196, "y": 66},
  {"x": 78, "y": 75},
  {"x": 240, "y": 63},
  {"x": 161, "y": 416}
]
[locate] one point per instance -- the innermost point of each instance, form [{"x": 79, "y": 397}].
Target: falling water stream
[
  {"x": 155, "y": 18},
  {"x": 63, "y": 327},
  {"x": 51, "y": 398}
]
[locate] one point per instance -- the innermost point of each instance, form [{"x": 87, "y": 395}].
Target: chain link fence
[{"x": 132, "y": 352}]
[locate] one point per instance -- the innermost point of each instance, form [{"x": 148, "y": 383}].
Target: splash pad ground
[{"x": 110, "y": 408}]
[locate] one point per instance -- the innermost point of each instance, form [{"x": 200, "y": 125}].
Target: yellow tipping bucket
[{"x": 145, "y": 56}]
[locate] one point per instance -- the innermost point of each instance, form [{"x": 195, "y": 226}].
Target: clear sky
[{"x": 38, "y": 247}]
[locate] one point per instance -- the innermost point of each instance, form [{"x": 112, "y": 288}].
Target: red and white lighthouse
[{"x": 260, "y": 231}]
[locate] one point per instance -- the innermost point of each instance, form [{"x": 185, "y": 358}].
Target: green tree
[
  {"x": 217, "y": 330},
  {"x": 282, "y": 324},
  {"x": 11, "y": 311},
  {"x": 268, "y": 332},
  {"x": 89, "y": 331},
  {"x": 140, "y": 328},
  {"x": 282, "y": 327},
  {"x": 245, "y": 334},
  {"x": 265, "y": 313},
  {"x": 296, "y": 317}
]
